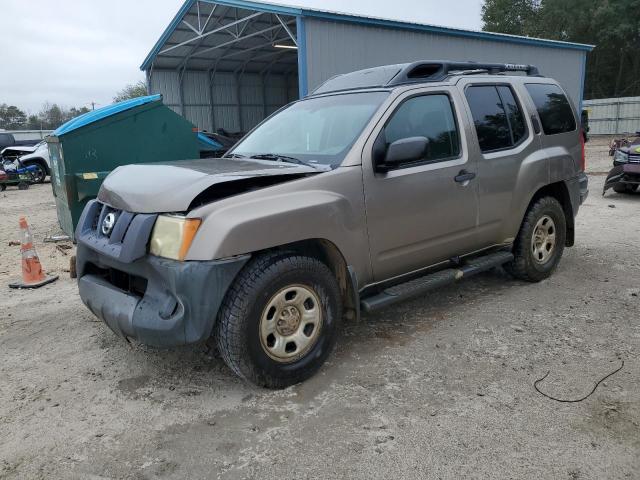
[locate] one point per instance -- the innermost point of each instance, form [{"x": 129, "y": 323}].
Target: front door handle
[{"x": 464, "y": 176}]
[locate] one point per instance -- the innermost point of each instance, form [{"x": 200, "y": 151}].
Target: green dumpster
[{"x": 86, "y": 149}]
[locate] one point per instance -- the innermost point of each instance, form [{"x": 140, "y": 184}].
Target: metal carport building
[{"x": 230, "y": 63}]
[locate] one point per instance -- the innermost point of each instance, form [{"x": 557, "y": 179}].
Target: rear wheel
[
  {"x": 540, "y": 242},
  {"x": 279, "y": 320}
]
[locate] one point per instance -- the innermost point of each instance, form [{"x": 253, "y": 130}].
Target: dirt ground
[{"x": 440, "y": 387}]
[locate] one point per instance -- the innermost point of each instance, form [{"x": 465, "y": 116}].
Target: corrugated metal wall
[
  {"x": 609, "y": 116},
  {"x": 338, "y": 47},
  {"x": 238, "y": 103},
  {"x": 213, "y": 105}
]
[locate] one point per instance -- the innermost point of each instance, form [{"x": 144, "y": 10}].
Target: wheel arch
[
  {"x": 329, "y": 254},
  {"x": 40, "y": 161},
  {"x": 560, "y": 192}
]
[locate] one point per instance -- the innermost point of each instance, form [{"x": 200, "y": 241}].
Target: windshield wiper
[
  {"x": 235, "y": 155},
  {"x": 283, "y": 158}
]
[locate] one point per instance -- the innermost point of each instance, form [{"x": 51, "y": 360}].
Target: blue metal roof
[
  {"x": 356, "y": 19},
  {"x": 104, "y": 112}
]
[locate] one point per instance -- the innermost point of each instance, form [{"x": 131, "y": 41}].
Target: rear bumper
[
  {"x": 155, "y": 301},
  {"x": 578, "y": 188}
]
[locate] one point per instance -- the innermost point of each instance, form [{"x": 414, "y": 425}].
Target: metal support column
[{"x": 237, "y": 80}]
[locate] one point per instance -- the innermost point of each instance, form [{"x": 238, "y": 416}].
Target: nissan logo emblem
[{"x": 108, "y": 223}]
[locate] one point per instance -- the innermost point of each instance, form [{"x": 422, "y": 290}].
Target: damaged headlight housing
[
  {"x": 172, "y": 236},
  {"x": 621, "y": 157}
]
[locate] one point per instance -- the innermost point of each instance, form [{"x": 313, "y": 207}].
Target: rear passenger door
[{"x": 504, "y": 139}]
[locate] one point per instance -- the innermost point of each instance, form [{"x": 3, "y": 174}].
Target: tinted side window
[
  {"x": 5, "y": 139},
  {"x": 514, "y": 113},
  {"x": 428, "y": 116},
  {"x": 556, "y": 114},
  {"x": 489, "y": 118}
]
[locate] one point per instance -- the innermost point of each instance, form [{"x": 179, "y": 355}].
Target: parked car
[
  {"x": 36, "y": 155},
  {"x": 8, "y": 140},
  {"x": 624, "y": 177},
  {"x": 214, "y": 145},
  {"x": 380, "y": 186}
]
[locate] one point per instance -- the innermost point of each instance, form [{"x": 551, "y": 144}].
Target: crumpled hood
[
  {"x": 20, "y": 148},
  {"x": 172, "y": 186}
]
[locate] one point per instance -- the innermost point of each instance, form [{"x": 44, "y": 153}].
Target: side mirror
[{"x": 404, "y": 151}]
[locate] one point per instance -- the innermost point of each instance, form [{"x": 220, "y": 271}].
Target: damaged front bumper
[
  {"x": 626, "y": 174},
  {"x": 153, "y": 300}
]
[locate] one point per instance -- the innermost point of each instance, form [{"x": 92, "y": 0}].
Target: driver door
[{"x": 423, "y": 212}]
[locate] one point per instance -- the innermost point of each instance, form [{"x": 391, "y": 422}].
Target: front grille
[
  {"x": 120, "y": 221},
  {"x": 127, "y": 237},
  {"x": 634, "y": 158}
]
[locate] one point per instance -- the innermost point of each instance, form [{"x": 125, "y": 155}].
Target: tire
[
  {"x": 39, "y": 175},
  {"x": 260, "y": 300},
  {"x": 534, "y": 261},
  {"x": 3, "y": 187}
]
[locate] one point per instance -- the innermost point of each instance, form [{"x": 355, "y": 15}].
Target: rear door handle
[{"x": 465, "y": 176}]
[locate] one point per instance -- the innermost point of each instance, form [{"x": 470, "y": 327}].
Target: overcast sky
[{"x": 73, "y": 52}]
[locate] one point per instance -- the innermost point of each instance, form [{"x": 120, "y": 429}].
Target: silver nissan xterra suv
[{"x": 380, "y": 186}]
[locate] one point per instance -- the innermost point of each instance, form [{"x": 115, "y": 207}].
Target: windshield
[{"x": 317, "y": 131}]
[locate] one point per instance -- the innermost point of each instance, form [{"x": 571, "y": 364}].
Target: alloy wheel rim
[
  {"x": 543, "y": 241},
  {"x": 290, "y": 324}
]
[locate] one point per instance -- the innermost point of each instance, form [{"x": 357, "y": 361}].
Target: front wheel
[
  {"x": 39, "y": 173},
  {"x": 279, "y": 320},
  {"x": 540, "y": 242}
]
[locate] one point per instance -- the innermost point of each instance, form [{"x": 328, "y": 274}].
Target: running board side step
[{"x": 418, "y": 286}]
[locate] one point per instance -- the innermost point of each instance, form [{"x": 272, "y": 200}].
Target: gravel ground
[{"x": 440, "y": 387}]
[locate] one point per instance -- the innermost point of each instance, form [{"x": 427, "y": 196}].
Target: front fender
[{"x": 281, "y": 215}]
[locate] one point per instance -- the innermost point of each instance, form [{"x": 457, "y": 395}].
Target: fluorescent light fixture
[{"x": 281, "y": 45}]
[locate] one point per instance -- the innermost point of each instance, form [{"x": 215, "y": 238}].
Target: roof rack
[
  {"x": 416, "y": 72},
  {"x": 436, "y": 71}
]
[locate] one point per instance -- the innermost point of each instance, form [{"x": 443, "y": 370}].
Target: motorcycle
[{"x": 14, "y": 172}]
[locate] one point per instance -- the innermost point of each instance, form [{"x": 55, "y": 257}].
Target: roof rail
[
  {"x": 433, "y": 71},
  {"x": 416, "y": 72}
]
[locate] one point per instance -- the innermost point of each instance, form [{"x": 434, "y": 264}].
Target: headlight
[
  {"x": 172, "y": 236},
  {"x": 621, "y": 157}
]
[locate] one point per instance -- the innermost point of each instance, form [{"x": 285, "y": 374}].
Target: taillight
[{"x": 583, "y": 157}]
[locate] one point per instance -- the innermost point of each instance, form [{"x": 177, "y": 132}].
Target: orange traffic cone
[{"x": 32, "y": 274}]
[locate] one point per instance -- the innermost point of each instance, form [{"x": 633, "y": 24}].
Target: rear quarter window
[{"x": 554, "y": 109}]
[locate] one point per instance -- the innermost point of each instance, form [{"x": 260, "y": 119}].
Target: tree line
[
  {"x": 613, "y": 67},
  {"x": 52, "y": 115}
]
